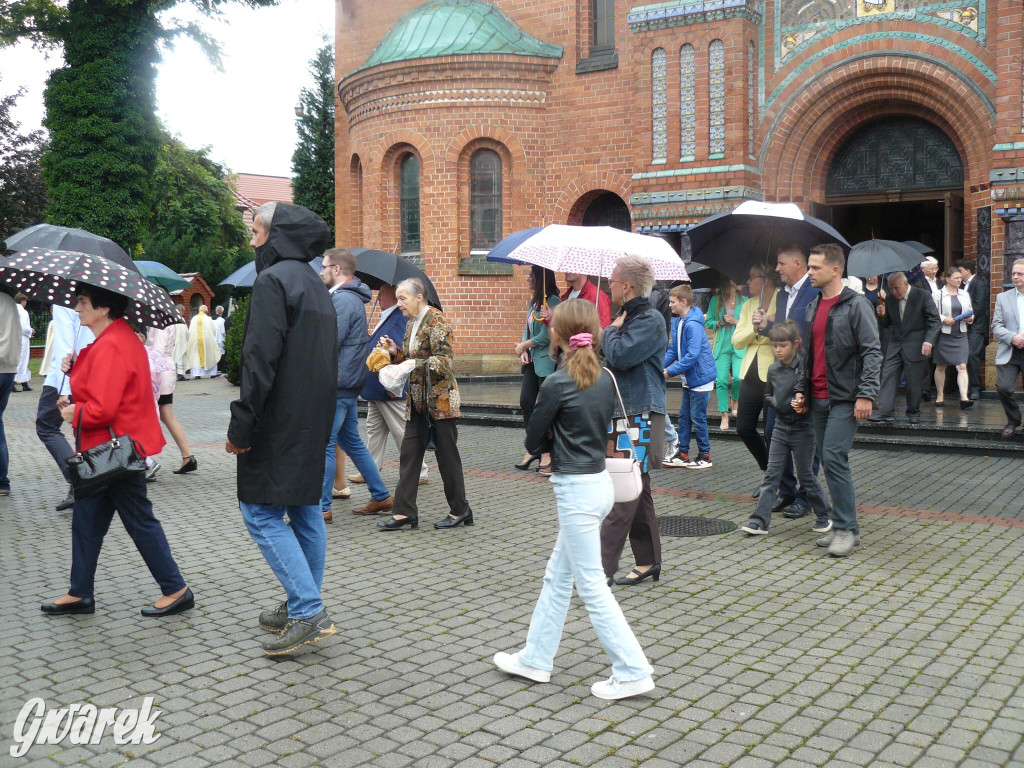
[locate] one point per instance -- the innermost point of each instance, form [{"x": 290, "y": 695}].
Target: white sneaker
[
  {"x": 509, "y": 662},
  {"x": 703, "y": 461},
  {"x": 151, "y": 472},
  {"x": 678, "y": 459},
  {"x": 615, "y": 689}
]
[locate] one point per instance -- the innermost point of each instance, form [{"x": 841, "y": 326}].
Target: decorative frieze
[{"x": 682, "y": 14}]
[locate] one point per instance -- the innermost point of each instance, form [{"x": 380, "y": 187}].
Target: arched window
[
  {"x": 409, "y": 195},
  {"x": 687, "y": 104},
  {"x": 602, "y": 14},
  {"x": 716, "y": 119},
  {"x": 484, "y": 200},
  {"x": 659, "y": 103}
]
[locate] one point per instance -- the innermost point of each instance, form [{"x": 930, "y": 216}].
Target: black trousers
[
  {"x": 913, "y": 371},
  {"x": 528, "y": 391},
  {"x": 976, "y": 343},
  {"x": 1006, "y": 382},
  {"x": 91, "y": 521},
  {"x": 636, "y": 520},
  {"x": 449, "y": 464},
  {"x": 748, "y": 411},
  {"x": 48, "y": 428}
]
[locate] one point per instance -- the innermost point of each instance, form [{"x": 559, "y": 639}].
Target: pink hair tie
[{"x": 581, "y": 340}]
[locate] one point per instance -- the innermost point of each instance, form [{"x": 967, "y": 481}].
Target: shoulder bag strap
[{"x": 622, "y": 407}]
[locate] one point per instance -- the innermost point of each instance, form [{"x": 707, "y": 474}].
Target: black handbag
[{"x": 92, "y": 471}]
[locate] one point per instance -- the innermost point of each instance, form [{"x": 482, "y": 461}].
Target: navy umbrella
[
  {"x": 245, "y": 276},
  {"x": 54, "y": 238}
]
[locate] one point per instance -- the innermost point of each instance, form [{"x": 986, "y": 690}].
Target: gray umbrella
[{"x": 54, "y": 238}]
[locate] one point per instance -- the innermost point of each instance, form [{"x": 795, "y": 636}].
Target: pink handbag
[{"x": 626, "y": 475}]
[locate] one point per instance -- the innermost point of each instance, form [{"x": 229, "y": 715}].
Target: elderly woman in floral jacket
[{"x": 432, "y": 406}]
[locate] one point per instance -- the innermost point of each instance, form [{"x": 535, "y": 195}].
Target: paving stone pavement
[{"x": 766, "y": 652}]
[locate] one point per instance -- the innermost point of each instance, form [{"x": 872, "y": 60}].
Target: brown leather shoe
[
  {"x": 375, "y": 507},
  {"x": 328, "y": 517},
  {"x": 1008, "y": 430}
]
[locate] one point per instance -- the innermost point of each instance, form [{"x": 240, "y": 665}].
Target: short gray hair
[
  {"x": 637, "y": 273},
  {"x": 265, "y": 214},
  {"x": 414, "y": 285},
  {"x": 219, "y": 310},
  {"x": 895, "y": 277}
]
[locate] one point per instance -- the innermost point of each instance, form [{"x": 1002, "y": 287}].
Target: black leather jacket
[
  {"x": 577, "y": 419},
  {"x": 781, "y": 388}
]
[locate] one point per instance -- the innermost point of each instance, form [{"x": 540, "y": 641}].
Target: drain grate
[{"x": 693, "y": 526}]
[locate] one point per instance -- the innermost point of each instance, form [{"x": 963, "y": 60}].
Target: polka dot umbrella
[{"x": 51, "y": 276}]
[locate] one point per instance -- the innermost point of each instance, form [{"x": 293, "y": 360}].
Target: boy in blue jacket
[{"x": 689, "y": 355}]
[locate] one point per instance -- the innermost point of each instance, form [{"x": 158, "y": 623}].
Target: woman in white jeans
[{"x": 571, "y": 420}]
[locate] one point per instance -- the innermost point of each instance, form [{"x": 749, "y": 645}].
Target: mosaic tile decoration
[
  {"x": 659, "y": 101},
  {"x": 687, "y": 104},
  {"x": 751, "y": 99},
  {"x": 716, "y": 102}
]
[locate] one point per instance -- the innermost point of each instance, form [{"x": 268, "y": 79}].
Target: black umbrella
[
  {"x": 54, "y": 238},
  {"x": 878, "y": 257},
  {"x": 375, "y": 267},
  {"x": 51, "y": 276},
  {"x": 735, "y": 241}
]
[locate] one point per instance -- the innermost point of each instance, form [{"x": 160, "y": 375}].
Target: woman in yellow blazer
[{"x": 757, "y": 357}]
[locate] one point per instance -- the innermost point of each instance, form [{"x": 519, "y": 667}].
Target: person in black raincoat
[{"x": 282, "y": 419}]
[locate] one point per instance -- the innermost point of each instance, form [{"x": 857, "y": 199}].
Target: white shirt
[
  {"x": 936, "y": 289},
  {"x": 68, "y": 335},
  {"x": 413, "y": 346},
  {"x": 792, "y": 291},
  {"x": 384, "y": 315},
  {"x": 575, "y": 292}
]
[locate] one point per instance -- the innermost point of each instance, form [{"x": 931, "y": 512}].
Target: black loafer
[
  {"x": 780, "y": 504},
  {"x": 184, "y": 603},
  {"x": 466, "y": 519},
  {"x": 85, "y": 605}
]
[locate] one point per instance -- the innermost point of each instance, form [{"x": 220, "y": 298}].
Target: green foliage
[
  {"x": 233, "y": 341},
  {"x": 22, "y": 191},
  {"x": 104, "y": 137},
  {"x": 194, "y": 225},
  {"x": 313, "y": 160}
]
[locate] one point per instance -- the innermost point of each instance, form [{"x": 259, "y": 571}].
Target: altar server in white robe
[{"x": 203, "y": 353}]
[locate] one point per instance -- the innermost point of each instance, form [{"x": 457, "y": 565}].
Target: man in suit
[
  {"x": 929, "y": 281},
  {"x": 977, "y": 332},
  {"x": 791, "y": 303},
  {"x": 913, "y": 319},
  {"x": 1008, "y": 328}
]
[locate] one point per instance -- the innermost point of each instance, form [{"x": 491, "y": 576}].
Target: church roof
[{"x": 456, "y": 28}]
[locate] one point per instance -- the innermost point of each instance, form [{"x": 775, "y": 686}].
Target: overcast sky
[{"x": 245, "y": 112}]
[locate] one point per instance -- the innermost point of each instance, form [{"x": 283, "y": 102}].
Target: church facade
[{"x": 461, "y": 121}]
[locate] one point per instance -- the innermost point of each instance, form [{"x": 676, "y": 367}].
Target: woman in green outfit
[
  {"x": 722, "y": 315},
  {"x": 535, "y": 351}
]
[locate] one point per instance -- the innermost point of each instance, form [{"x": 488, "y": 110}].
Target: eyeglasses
[{"x": 327, "y": 266}]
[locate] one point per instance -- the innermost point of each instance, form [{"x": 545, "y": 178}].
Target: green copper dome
[{"x": 456, "y": 28}]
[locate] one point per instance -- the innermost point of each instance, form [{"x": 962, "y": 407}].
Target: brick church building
[{"x": 461, "y": 121}]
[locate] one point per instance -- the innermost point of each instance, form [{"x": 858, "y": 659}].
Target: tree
[
  {"x": 193, "y": 224},
  {"x": 233, "y": 341},
  {"x": 313, "y": 159},
  {"x": 100, "y": 106},
  {"x": 22, "y": 191}
]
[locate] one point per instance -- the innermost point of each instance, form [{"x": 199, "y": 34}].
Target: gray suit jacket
[
  {"x": 1006, "y": 324},
  {"x": 919, "y": 324}
]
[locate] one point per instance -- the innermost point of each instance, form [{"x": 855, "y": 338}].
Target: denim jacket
[{"x": 636, "y": 354}]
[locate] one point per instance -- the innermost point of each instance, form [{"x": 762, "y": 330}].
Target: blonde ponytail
[{"x": 572, "y": 318}]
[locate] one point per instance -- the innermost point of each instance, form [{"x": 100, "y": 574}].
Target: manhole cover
[{"x": 693, "y": 526}]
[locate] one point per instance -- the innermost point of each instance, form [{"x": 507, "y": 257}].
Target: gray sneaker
[
  {"x": 300, "y": 632},
  {"x": 826, "y": 540},
  {"x": 276, "y": 619},
  {"x": 843, "y": 543}
]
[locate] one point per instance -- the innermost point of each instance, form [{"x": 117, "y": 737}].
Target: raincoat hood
[
  {"x": 295, "y": 233},
  {"x": 359, "y": 288}
]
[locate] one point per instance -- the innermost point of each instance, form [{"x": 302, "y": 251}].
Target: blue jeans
[
  {"x": 834, "y": 428},
  {"x": 6, "y": 385},
  {"x": 345, "y": 433},
  {"x": 295, "y": 551},
  {"x": 694, "y": 411},
  {"x": 792, "y": 445},
  {"x": 583, "y": 502},
  {"x": 671, "y": 436}
]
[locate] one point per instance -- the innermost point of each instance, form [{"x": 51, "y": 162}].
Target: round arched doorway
[
  {"x": 898, "y": 178},
  {"x": 607, "y": 210}
]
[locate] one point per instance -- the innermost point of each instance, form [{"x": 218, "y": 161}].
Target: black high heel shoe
[
  {"x": 395, "y": 525},
  {"x": 654, "y": 572},
  {"x": 190, "y": 465},
  {"x": 526, "y": 464},
  {"x": 466, "y": 519}
]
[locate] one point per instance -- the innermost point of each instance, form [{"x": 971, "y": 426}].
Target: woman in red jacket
[{"x": 110, "y": 381}]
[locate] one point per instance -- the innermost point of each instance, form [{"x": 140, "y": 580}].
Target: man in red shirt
[
  {"x": 844, "y": 359},
  {"x": 580, "y": 286}
]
